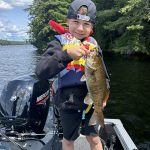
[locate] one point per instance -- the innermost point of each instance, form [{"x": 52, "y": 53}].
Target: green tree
[
  {"x": 4, "y": 42},
  {"x": 40, "y": 13},
  {"x": 124, "y": 26},
  {"x": 107, "y": 12}
]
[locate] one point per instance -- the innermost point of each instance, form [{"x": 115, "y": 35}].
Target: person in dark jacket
[{"x": 65, "y": 57}]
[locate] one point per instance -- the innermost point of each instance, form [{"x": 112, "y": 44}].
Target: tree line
[
  {"x": 7, "y": 42},
  {"x": 122, "y": 26}
]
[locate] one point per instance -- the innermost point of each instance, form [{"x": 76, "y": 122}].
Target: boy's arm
[{"x": 52, "y": 61}]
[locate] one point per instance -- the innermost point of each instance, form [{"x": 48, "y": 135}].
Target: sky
[{"x": 14, "y": 19}]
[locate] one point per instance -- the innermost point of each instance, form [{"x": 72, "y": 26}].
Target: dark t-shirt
[{"x": 51, "y": 63}]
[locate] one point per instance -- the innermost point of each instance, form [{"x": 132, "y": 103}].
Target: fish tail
[
  {"x": 97, "y": 118},
  {"x": 100, "y": 117}
]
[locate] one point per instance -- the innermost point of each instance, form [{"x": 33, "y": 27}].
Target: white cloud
[
  {"x": 4, "y": 5},
  {"x": 9, "y": 30},
  {"x": 1, "y": 25},
  {"x": 10, "y": 4},
  {"x": 12, "y": 32},
  {"x": 12, "y": 29},
  {"x": 20, "y": 2},
  {"x": 8, "y": 35}
]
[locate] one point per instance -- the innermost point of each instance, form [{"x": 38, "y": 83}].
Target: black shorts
[{"x": 73, "y": 124}]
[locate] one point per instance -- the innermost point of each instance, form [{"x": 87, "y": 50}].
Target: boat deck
[
  {"x": 113, "y": 135},
  {"x": 81, "y": 143},
  {"x": 56, "y": 144}
]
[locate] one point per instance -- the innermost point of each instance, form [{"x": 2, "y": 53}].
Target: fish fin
[
  {"x": 97, "y": 118},
  {"x": 88, "y": 100},
  {"x": 106, "y": 98},
  {"x": 83, "y": 78}
]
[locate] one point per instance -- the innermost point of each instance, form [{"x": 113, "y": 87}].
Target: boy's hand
[{"x": 77, "y": 52}]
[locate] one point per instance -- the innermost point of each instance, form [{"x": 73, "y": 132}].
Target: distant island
[{"x": 7, "y": 42}]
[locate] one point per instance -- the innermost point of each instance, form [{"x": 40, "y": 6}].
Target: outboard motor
[{"x": 24, "y": 104}]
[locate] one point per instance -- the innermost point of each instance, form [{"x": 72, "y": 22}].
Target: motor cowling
[{"x": 24, "y": 103}]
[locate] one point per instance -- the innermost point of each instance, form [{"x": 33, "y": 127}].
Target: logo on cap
[
  {"x": 83, "y": 10},
  {"x": 82, "y": 13}
]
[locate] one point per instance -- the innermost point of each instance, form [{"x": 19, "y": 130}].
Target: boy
[{"x": 65, "y": 57}]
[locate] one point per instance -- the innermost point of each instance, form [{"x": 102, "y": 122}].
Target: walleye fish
[{"x": 98, "y": 93}]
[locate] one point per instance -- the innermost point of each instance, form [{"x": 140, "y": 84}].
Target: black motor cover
[{"x": 25, "y": 101}]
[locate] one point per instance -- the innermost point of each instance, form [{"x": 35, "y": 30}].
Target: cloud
[
  {"x": 4, "y": 5},
  {"x": 20, "y": 2},
  {"x": 10, "y": 31},
  {"x": 1, "y": 25},
  {"x": 10, "y": 4}
]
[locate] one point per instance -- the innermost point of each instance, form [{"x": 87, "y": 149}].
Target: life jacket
[{"x": 72, "y": 74}]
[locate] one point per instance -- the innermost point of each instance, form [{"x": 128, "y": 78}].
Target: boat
[{"x": 28, "y": 120}]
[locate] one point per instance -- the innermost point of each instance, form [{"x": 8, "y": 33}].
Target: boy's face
[{"x": 80, "y": 29}]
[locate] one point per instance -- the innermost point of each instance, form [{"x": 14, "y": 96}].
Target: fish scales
[{"x": 97, "y": 86}]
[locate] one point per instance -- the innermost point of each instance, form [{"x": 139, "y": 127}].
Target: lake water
[
  {"x": 130, "y": 95},
  {"x": 16, "y": 61},
  {"x": 130, "y": 87}
]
